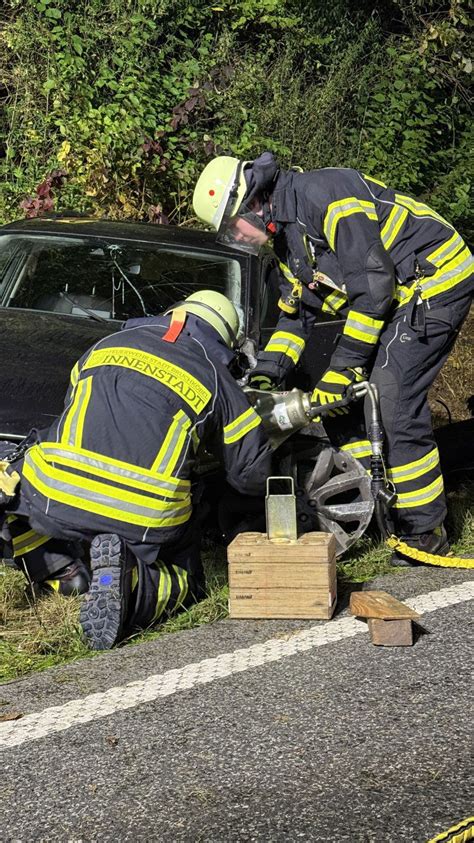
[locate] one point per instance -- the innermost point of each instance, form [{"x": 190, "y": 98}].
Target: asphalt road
[{"x": 251, "y": 730}]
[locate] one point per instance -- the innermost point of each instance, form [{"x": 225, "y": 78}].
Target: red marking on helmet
[{"x": 212, "y": 192}]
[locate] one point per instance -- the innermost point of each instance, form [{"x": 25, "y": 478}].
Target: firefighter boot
[
  {"x": 73, "y": 579},
  {"x": 435, "y": 542},
  {"x": 104, "y": 607}
]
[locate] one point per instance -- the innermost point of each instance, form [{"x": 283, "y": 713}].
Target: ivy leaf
[
  {"x": 49, "y": 85},
  {"x": 77, "y": 44}
]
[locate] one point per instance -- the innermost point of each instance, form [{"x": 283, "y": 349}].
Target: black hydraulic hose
[{"x": 380, "y": 512}]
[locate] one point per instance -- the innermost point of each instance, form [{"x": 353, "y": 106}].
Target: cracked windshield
[{"x": 107, "y": 280}]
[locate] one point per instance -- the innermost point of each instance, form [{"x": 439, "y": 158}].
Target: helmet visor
[{"x": 246, "y": 231}]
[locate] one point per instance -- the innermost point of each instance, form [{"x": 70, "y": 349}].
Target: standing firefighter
[
  {"x": 394, "y": 268},
  {"x": 115, "y": 469}
]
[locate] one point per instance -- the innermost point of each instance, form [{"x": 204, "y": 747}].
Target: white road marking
[{"x": 95, "y": 706}]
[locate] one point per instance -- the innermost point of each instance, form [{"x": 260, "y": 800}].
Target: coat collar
[{"x": 284, "y": 198}]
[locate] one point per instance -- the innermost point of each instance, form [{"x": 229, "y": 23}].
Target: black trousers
[
  {"x": 161, "y": 578},
  {"x": 412, "y": 349}
]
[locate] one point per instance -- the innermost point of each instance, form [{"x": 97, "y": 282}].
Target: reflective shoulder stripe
[
  {"x": 282, "y": 342},
  {"x": 173, "y": 444},
  {"x": 189, "y": 388},
  {"x": 420, "y": 497},
  {"x": 419, "y": 209},
  {"x": 74, "y": 375},
  {"x": 362, "y": 327},
  {"x": 241, "y": 426},
  {"x": 412, "y": 470},
  {"x": 446, "y": 251},
  {"x": 73, "y": 422},
  {"x": 392, "y": 226},
  {"x": 377, "y": 181},
  {"x": 345, "y": 208},
  {"x": 333, "y": 302}
]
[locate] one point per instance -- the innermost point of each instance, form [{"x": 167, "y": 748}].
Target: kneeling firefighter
[
  {"x": 115, "y": 468},
  {"x": 395, "y": 269}
]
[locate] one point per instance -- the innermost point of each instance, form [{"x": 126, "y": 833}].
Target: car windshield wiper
[{"x": 81, "y": 307}]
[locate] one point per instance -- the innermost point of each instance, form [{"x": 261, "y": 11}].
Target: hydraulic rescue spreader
[{"x": 284, "y": 413}]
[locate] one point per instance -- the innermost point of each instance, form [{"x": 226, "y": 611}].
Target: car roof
[{"x": 78, "y": 226}]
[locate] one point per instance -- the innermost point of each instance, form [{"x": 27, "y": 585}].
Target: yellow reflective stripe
[
  {"x": 446, "y": 251},
  {"x": 358, "y": 449},
  {"x": 75, "y": 375},
  {"x": 287, "y": 272},
  {"x": 419, "y": 209},
  {"x": 444, "y": 279},
  {"x": 377, "y": 181},
  {"x": 164, "y": 589},
  {"x": 86, "y": 484},
  {"x": 333, "y": 302},
  {"x": 345, "y": 208},
  {"x": 241, "y": 426},
  {"x": 82, "y": 410},
  {"x": 134, "y": 478},
  {"x": 280, "y": 348},
  {"x": 54, "y": 584},
  {"x": 73, "y": 424},
  {"x": 173, "y": 444},
  {"x": 393, "y": 225},
  {"x": 135, "y": 507},
  {"x": 182, "y": 577},
  {"x": 27, "y": 542},
  {"x": 335, "y": 377},
  {"x": 420, "y": 497},
  {"x": 174, "y": 377},
  {"x": 362, "y": 327},
  {"x": 195, "y": 439},
  {"x": 285, "y": 343},
  {"x": 52, "y": 450},
  {"x": 412, "y": 470},
  {"x": 460, "y": 268}
]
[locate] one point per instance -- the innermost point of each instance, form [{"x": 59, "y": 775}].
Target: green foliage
[{"x": 132, "y": 97}]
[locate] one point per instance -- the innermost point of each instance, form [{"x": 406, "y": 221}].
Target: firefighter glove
[
  {"x": 332, "y": 387},
  {"x": 263, "y": 382}
]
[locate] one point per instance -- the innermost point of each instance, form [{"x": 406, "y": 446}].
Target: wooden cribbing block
[
  {"x": 269, "y": 579},
  {"x": 390, "y": 633},
  {"x": 389, "y": 620}
]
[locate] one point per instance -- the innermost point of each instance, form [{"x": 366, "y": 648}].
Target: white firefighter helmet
[
  {"x": 215, "y": 309},
  {"x": 220, "y": 190}
]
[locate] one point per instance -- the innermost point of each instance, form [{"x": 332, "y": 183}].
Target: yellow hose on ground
[
  {"x": 429, "y": 558},
  {"x": 462, "y": 832}
]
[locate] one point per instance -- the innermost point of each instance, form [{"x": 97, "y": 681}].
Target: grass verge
[{"x": 35, "y": 635}]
